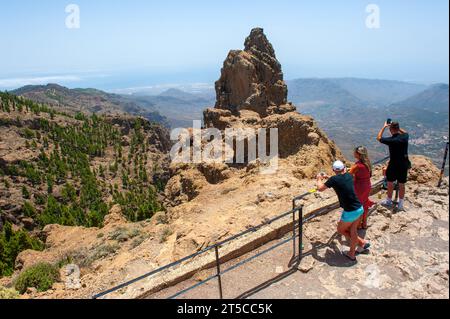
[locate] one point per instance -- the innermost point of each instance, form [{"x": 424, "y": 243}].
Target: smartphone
[{"x": 389, "y": 121}]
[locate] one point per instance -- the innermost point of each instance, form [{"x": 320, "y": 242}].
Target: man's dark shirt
[
  {"x": 398, "y": 148},
  {"x": 344, "y": 187}
]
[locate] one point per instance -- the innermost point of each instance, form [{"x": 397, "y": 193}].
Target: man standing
[{"x": 399, "y": 163}]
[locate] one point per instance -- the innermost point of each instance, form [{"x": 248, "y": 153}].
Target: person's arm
[
  {"x": 380, "y": 134},
  {"x": 353, "y": 169},
  {"x": 402, "y": 131},
  {"x": 321, "y": 184}
]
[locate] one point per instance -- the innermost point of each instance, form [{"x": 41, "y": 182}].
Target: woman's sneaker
[
  {"x": 363, "y": 250},
  {"x": 387, "y": 203}
]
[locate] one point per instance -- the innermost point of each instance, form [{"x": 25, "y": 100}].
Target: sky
[{"x": 122, "y": 44}]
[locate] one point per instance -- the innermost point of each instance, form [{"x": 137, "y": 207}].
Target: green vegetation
[
  {"x": 167, "y": 232},
  {"x": 8, "y": 293},
  {"x": 41, "y": 276},
  {"x": 74, "y": 148},
  {"x": 66, "y": 185},
  {"x": 102, "y": 251},
  {"x": 122, "y": 234},
  {"x": 11, "y": 102},
  {"x": 11, "y": 244},
  {"x": 25, "y": 192}
]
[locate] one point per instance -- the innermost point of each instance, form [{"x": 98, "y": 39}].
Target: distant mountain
[
  {"x": 322, "y": 92},
  {"x": 351, "y": 111},
  {"x": 88, "y": 101},
  {"x": 182, "y": 95},
  {"x": 434, "y": 99},
  {"x": 379, "y": 92},
  {"x": 179, "y": 107},
  {"x": 351, "y": 92}
]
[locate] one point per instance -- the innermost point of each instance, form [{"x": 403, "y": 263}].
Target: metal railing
[
  {"x": 214, "y": 247},
  {"x": 297, "y": 226}
]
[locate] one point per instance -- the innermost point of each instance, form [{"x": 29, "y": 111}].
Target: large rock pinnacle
[
  {"x": 251, "y": 94},
  {"x": 252, "y": 79}
]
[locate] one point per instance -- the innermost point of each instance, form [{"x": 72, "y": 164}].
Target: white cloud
[
  {"x": 19, "y": 82},
  {"x": 159, "y": 88}
]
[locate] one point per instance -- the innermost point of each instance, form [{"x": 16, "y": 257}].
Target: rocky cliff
[
  {"x": 252, "y": 79},
  {"x": 251, "y": 93}
]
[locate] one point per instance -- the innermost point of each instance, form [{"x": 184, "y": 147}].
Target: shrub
[
  {"x": 27, "y": 133},
  {"x": 122, "y": 234},
  {"x": 11, "y": 244},
  {"x": 79, "y": 257},
  {"x": 138, "y": 241},
  {"x": 8, "y": 293},
  {"x": 28, "y": 210},
  {"x": 162, "y": 219},
  {"x": 25, "y": 192},
  {"x": 165, "y": 235},
  {"x": 103, "y": 251},
  {"x": 41, "y": 276}
]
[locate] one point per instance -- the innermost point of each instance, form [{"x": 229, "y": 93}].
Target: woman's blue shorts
[{"x": 350, "y": 217}]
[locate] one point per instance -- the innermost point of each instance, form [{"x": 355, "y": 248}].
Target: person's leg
[
  {"x": 360, "y": 242},
  {"x": 388, "y": 201},
  {"x": 402, "y": 179},
  {"x": 391, "y": 176},
  {"x": 354, "y": 238},
  {"x": 390, "y": 190},
  {"x": 401, "y": 190},
  {"x": 363, "y": 222},
  {"x": 344, "y": 229}
]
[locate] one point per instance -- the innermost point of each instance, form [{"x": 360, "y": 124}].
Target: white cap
[{"x": 338, "y": 166}]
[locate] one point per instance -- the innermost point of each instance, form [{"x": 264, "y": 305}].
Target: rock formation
[
  {"x": 251, "y": 94},
  {"x": 252, "y": 79}
]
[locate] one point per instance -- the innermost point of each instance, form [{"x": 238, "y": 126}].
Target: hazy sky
[{"x": 187, "y": 41}]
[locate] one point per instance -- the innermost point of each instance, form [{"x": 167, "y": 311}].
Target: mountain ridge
[{"x": 88, "y": 100}]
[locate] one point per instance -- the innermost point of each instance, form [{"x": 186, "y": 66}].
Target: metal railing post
[
  {"x": 300, "y": 234},
  {"x": 441, "y": 176},
  {"x": 219, "y": 277},
  {"x": 293, "y": 229}
]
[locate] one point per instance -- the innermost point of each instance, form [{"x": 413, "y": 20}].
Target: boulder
[{"x": 423, "y": 170}]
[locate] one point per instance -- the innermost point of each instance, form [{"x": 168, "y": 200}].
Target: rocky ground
[{"x": 409, "y": 258}]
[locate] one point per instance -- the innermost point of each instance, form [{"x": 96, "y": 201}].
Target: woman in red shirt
[{"x": 362, "y": 172}]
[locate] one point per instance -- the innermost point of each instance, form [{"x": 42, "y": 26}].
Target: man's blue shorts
[{"x": 350, "y": 217}]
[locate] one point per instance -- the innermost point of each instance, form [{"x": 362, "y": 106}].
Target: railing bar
[
  {"x": 118, "y": 287},
  {"x": 253, "y": 229},
  {"x": 227, "y": 270},
  {"x": 257, "y": 255},
  {"x": 192, "y": 287},
  {"x": 219, "y": 278}
]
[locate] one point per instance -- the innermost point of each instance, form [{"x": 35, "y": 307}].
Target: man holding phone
[{"x": 399, "y": 163}]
